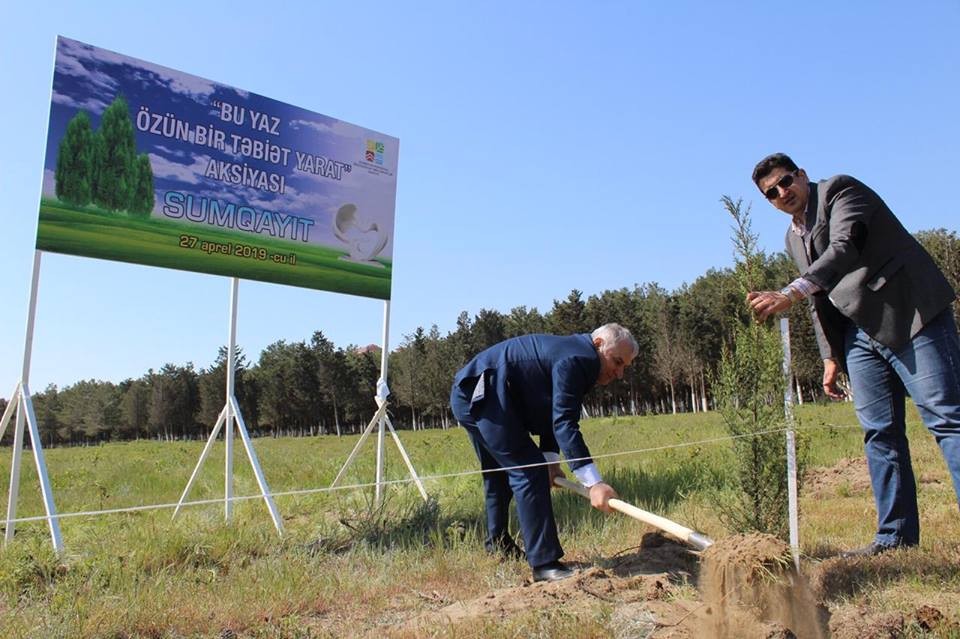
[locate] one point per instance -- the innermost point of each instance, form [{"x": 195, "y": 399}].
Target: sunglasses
[{"x": 784, "y": 183}]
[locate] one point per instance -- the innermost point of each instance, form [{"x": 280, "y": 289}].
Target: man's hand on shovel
[{"x": 600, "y": 496}]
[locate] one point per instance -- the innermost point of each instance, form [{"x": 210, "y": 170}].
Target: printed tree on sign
[
  {"x": 116, "y": 178},
  {"x": 102, "y": 166},
  {"x": 74, "y": 177},
  {"x": 143, "y": 197}
]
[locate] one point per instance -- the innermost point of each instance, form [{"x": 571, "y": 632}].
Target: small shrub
[{"x": 750, "y": 388}]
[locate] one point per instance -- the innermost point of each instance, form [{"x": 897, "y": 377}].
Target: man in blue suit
[{"x": 534, "y": 385}]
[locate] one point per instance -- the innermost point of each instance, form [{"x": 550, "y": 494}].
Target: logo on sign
[{"x": 374, "y": 152}]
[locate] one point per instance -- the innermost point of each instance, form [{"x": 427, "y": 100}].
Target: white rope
[{"x": 391, "y": 482}]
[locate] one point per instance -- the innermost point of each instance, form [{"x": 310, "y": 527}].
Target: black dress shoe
[
  {"x": 554, "y": 571},
  {"x": 873, "y": 549}
]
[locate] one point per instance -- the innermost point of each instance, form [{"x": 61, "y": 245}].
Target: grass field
[
  {"x": 157, "y": 242},
  {"x": 344, "y": 569}
]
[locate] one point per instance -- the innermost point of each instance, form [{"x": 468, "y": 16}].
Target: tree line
[{"x": 314, "y": 387}]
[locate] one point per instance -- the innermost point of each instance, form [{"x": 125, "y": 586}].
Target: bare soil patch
[
  {"x": 847, "y": 475},
  {"x": 746, "y": 586},
  {"x": 860, "y": 622},
  {"x": 641, "y": 584},
  {"x": 747, "y": 590}
]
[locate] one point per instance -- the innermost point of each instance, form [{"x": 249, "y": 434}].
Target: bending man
[{"x": 534, "y": 385}]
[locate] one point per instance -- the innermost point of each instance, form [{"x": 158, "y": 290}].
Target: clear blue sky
[{"x": 544, "y": 146}]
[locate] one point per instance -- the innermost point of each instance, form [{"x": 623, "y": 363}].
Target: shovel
[{"x": 691, "y": 537}]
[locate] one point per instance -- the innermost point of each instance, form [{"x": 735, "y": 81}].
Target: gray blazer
[{"x": 870, "y": 269}]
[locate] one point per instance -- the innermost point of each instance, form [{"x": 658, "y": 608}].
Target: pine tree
[
  {"x": 944, "y": 247},
  {"x": 567, "y": 317},
  {"x": 74, "y": 176},
  {"x": 116, "y": 172},
  {"x": 749, "y": 392}
]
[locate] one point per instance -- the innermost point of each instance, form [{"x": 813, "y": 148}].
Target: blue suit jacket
[{"x": 539, "y": 381}]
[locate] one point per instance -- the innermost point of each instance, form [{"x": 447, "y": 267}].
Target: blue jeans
[{"x": 928, "y": 369}]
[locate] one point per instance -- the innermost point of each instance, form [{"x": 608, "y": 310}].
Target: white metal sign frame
[{"x": 23, "y": 404}]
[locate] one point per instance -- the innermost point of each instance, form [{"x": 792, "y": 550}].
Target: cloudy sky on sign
[{"x": 175, "y": 114}]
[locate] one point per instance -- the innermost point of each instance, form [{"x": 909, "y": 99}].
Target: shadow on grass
[
  {"x": 836, "y": 577},
  {"x": 401, "y": 525}
]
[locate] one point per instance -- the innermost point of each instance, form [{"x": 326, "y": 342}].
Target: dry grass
[{"x": 141, "y": 575}]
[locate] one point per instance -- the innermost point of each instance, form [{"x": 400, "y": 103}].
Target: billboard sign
[{"x": 149, "y": 165}]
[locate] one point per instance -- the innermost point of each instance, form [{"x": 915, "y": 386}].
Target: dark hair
[{"x": 766, "y": 166}]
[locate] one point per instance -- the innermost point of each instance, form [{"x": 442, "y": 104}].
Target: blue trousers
[
  {"x": 501, "y": 443},
  {"x": 928, "y": 369}
]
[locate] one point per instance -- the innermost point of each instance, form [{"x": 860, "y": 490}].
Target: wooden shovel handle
[{"x": 692, "y": 537}]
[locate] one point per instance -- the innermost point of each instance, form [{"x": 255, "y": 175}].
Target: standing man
[
  {"x": 881, "y": 311},
  {"x": 534, "y": 385}
]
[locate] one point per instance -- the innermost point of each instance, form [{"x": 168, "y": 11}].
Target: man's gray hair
[{"x": 613, "y": 335}]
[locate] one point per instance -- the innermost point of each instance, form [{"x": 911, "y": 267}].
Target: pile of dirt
[
  {"x": 752, "y": 589},
  {"x": 573, "y": 594},
  {"x": 640, "y": 584}
]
